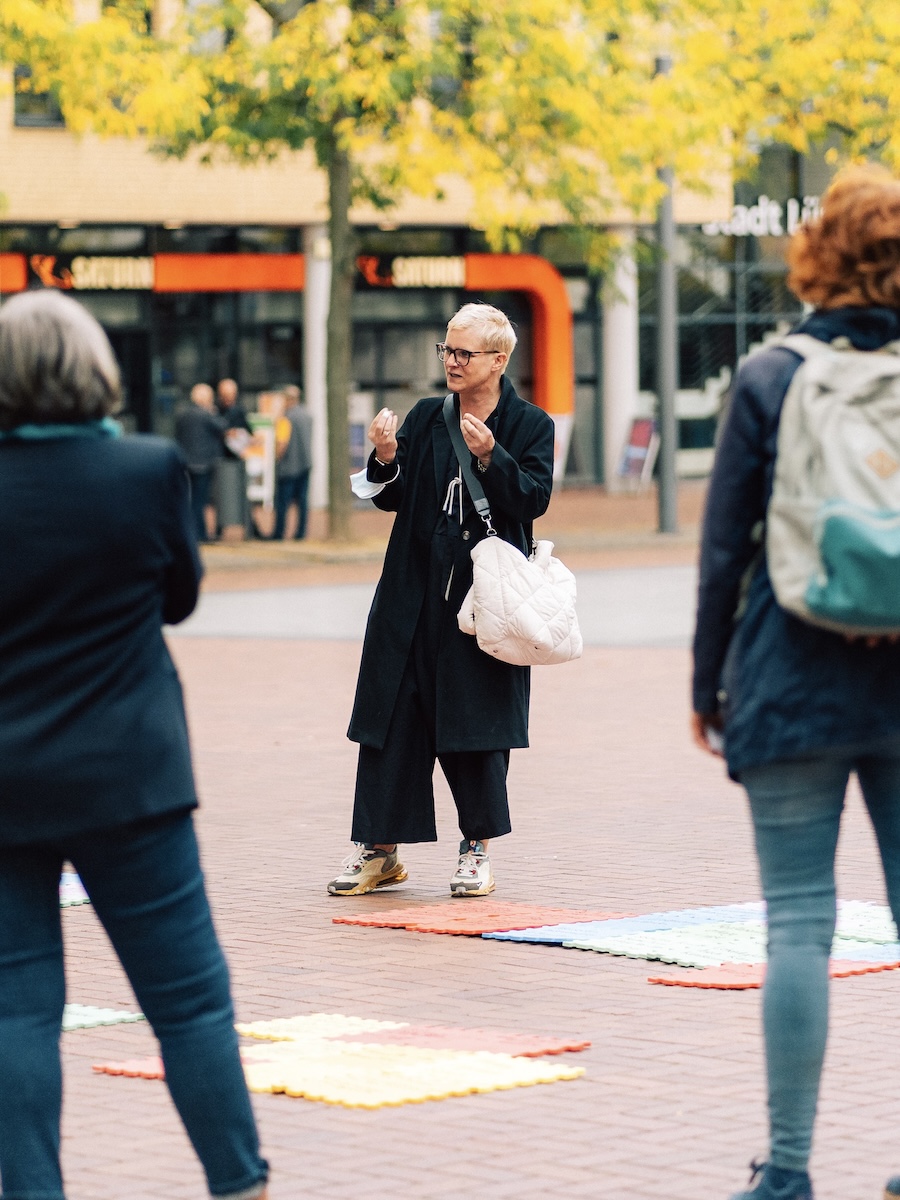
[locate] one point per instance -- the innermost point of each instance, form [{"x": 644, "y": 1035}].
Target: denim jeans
[
  {"x": 797, "y": 809},
  {"x": 290, "y": 489},
  {"x": 201, "y": 490},
  {"x": 147, "y": 889}
]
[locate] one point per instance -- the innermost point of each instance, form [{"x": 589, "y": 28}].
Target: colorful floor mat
[
  {"x": 559, "y": 935},
  {"x": 494, "y": 1041},
  {"x": 335, "y": 1027},
  {"x": 360, "y": 1076},
  {"x": 71, "y": 890},
  {"x": 470, "y": 917},
  {"x": 366, "y": 1077},
  {"x": 86, "y": 1016},
  {"x": 715, "y": 936},
  {"x": 742, "y": 976},
  {"x": 134, "y": 1068},
  {"x": 361, "y": 1063}
]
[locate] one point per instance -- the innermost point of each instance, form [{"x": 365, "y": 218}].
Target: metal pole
[{"x": 666, "y": 346}]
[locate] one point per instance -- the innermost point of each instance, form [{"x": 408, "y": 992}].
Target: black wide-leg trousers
[{"x": 394, "y": 799}]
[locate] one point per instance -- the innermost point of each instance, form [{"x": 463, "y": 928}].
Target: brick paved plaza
[{"x": 612, "y": 809}]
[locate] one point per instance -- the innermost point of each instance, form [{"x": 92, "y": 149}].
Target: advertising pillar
[
  {"x": 620, "y": 359},
  {"x": 317, "y": 252}
]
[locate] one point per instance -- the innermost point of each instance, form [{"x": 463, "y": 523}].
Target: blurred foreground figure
[
  {"x": 98, "y": 550},
  {"x": 804, "y": 702}
]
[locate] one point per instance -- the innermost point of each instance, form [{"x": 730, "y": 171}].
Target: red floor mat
[
  {"x": 135, "y": 1068},
  {"x": 740, "y": 976},
  {"x": 472, "y": 917},
  {"x": 446, "y": 1037}
]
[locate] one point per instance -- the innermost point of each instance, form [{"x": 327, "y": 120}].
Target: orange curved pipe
[{"x": 553, "y": 350}]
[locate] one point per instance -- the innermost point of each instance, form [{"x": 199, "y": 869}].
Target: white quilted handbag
[{"x": 521, "y": 610}]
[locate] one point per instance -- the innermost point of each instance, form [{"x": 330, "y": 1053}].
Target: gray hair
[
  {"x": 493, "y": 325},
  {"x": 56, "y": 364}
]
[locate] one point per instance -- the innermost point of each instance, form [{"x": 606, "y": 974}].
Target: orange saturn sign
[{"x": 553, "y": 369}]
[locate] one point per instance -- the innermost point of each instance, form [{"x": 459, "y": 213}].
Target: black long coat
[
  {"x": 97, "y": 549},
  {"x": 482, "y": 704}
]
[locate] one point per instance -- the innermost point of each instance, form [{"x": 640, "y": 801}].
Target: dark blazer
[
  {"x": 786, "y": 688},
  {"x": 200, "y": 434},
  {"x": 482, "y": 704},
  {"x": 97, "y": 550}
]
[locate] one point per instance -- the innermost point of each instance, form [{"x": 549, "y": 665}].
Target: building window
[{"x": 34, "y": 110}]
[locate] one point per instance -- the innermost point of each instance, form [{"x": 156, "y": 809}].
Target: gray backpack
[{"x": 833, "y": 524}]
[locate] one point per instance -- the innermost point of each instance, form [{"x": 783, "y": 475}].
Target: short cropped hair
[
  {"x": 56, "y": 364},
  {"x": 850, "y": 253},
  {"x": 490, "y": 322}
]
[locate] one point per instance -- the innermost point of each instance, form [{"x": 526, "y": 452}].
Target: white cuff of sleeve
[{"x": 365, "y": 488}]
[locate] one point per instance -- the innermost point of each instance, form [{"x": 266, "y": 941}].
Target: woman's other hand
[
  {"x": 478, "y": 438},
  {"x": 706, "y": 731},
  {"x": 383, "y": 436}
]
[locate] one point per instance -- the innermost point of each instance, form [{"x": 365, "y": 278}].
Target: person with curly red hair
[{"x": 794, "y": 708}]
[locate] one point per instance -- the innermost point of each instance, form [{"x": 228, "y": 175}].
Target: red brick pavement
[{"x": 612, "y": 809}]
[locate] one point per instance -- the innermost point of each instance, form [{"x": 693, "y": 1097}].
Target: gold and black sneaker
[{"x": 367, "y": 869}]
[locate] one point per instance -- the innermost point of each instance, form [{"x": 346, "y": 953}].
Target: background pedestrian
[
  {"x": 293, "y": 465},
  {"x": 199, "y": 432},
  {"x": 231, "y": 473}
]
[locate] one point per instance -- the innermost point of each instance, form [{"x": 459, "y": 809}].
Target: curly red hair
[{"x": 850, "y": 253}]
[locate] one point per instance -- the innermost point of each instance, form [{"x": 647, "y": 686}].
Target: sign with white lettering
[
  {"x": 420, "y": 271},
  {"x": 766, "y": 218},
  {"x": 94, "y": 274}
]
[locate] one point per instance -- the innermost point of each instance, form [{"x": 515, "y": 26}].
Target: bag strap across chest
[{"x": 464, "y": 458}]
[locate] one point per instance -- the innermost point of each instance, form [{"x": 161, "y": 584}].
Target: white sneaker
[
  {"x": 367, "y": 869},
  {"x": 473, "y": 875}
]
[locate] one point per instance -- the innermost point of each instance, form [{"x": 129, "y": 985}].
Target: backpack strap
[
  {"x": 464, "y": 458},
  {"x": 807, "y": 346}
]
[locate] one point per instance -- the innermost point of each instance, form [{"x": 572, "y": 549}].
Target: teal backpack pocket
[{"x": 859, "y": 581}]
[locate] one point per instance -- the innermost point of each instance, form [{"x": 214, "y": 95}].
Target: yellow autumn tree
[{"x": 550, "y": 110}]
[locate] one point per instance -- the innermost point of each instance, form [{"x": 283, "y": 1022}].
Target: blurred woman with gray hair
[{"x": 98, "y": 551}]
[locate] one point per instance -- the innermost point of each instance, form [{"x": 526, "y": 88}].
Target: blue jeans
[
  {"x": 147, "y": 889},
  {"x": 290, "y": 489},
  {"x": 797, "y": 809},
  {"x": 201, "y": 490}
]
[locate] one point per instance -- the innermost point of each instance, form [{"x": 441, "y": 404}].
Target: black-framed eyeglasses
[{"x": 461, "y": 356}]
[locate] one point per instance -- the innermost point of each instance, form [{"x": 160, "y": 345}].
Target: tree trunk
[{"x": 340, "y": 342}]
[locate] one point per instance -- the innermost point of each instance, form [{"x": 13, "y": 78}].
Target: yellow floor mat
[{"x": 366, "y": 1076}]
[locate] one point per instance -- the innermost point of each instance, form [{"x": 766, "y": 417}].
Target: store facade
[{"x": 185, "y": 300}]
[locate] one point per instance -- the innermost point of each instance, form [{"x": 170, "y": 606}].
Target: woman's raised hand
[{"x": 383, "y": 436}]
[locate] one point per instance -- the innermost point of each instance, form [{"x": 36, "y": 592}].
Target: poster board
[
  {"x": 639, "y": 453},
  {"x": 259, "y": 459}
]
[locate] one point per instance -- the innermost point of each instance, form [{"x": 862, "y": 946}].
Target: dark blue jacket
[
  {"x": 97, "y": 550},
  {"x": 785, "y": 688}
]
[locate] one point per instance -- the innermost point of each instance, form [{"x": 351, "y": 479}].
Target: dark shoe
[
  {"x": 777, "y": 1183},
  {"x": 892, "y": 1188}
]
